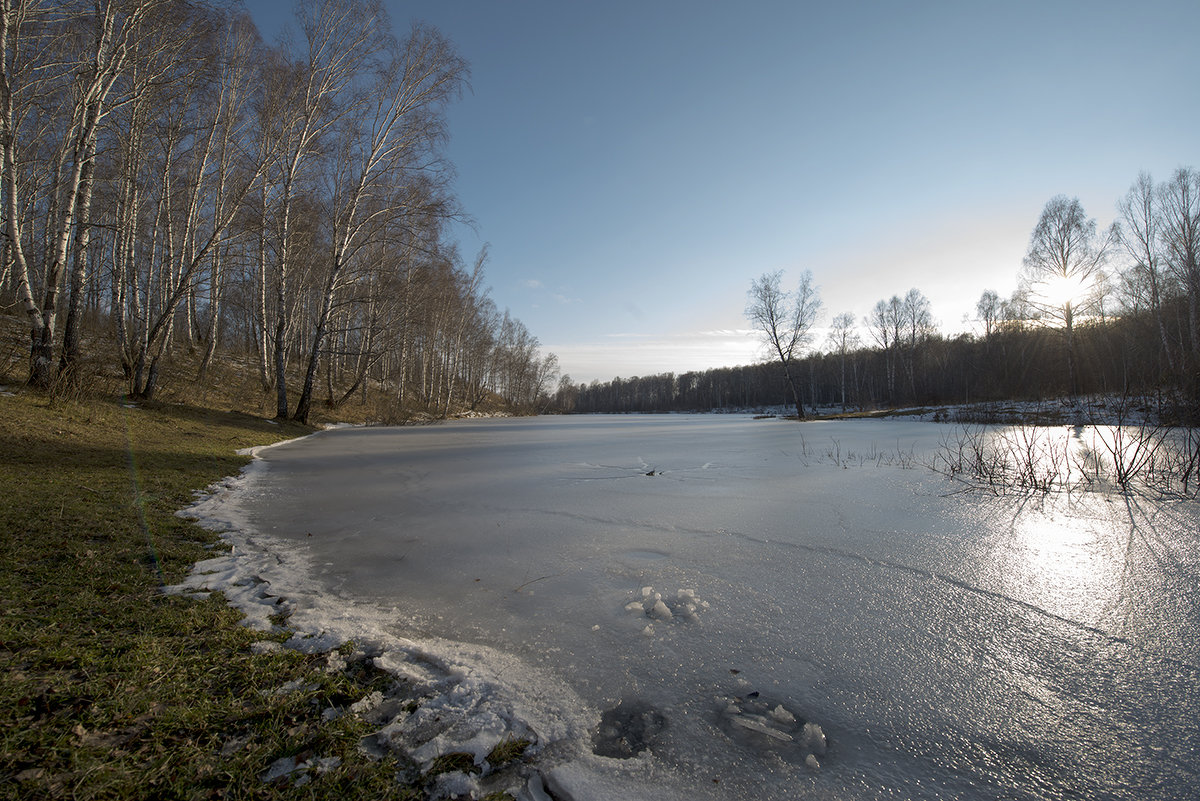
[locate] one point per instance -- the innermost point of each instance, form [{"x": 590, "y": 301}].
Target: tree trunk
[
  {"x": 1072, "y": 360},
  {"x": 791, "y": 382},
  {"x": 71, "y": 350},
  {"x": 214, "y": 316},
  {"x": 304, "y": 405}
]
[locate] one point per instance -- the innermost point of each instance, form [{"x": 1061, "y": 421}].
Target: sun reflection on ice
[{"x": 1061, "y": 559}]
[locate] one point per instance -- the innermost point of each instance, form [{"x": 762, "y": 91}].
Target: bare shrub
[
  {"x": 900, "y": 457},
  {"x": 1173, "y": 466},
  {"x": 1131, "y": 452},
  {"x": 1131, "y": 447},
  {"x": 1015, "y": 457},
  {"x": 11, "y": 358},
  {"x": 1134, "y": 458},
  {"x": 84, "y": 380},
  {"x": 970, "y": 454}
]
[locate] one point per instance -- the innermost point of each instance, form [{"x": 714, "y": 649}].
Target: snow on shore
[{"x": 471, "y": 697}]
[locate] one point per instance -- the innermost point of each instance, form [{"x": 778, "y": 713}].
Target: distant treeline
[
  {"x": 1114, "y": 311},
  {"x": 1015, "y": 361}
]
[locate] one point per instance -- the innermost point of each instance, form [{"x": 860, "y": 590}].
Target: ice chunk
[
  {"x": 297, "y": 685},
  {"x": 756, "y": 725},
  {"x": 324, "y": 764},
  {"x": 682, "y": 604},
  {"x": 782, "y": 715},
  {"x": 367, "y": 703},
  {"x": 299, "y": 770},
  {"x": 456, "y": 784},
  {"x": 812, "y": 737},
  {"x": 280, "y": 768},
  {"x": 534, "y": 790}
]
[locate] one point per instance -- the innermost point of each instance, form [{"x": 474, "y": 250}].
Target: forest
[
  {"x": 172, "y": 184},
  {"x": 1114, "y": 312}
]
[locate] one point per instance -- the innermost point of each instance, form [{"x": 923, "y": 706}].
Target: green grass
[
  {"x": 111, "y": 689},
  {"x": 507, "y": 750}
]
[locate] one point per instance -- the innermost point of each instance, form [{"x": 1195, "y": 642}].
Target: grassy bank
[{"x": 110, "y": 688}]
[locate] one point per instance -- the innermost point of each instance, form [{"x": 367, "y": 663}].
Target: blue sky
[{"x": 635, "y": 165}]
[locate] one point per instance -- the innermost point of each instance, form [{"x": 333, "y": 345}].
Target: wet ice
[{"x": 755, "y": 620}]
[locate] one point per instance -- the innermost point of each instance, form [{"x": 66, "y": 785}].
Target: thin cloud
[
  {"x": 560, "y": 298},
  {"x": 729, "y": 332},
  {"x": 628, "y": 353}
]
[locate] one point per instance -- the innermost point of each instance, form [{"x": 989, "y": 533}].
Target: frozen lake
[{"x": 696, "y": 588}]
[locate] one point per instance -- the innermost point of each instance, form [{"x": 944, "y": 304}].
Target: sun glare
[{"x": 1059, "y": 290}]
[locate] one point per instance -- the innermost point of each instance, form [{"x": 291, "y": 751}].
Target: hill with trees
[{"x": 172, "y": 184}]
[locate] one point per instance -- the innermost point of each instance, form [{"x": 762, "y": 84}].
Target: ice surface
[
  {"x": 780, "y": 611},
  {"x": 299, "y": 771}
]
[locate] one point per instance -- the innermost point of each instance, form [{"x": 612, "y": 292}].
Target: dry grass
[{"x": 110, "y": 688}]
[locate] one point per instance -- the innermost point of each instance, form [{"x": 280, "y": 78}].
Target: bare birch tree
[
  {"x": 1140, "y": 235},
  {"x": 1061, "y": 266},
  {"x": 95, "y": 42},
  {"x": 338, "y": 38},
  {"x": 216, "y": 178},
  {"x": 843, "y": 339},
  {"x": 884, "y": 324},
  {"x": 162, "y": 171},
  {"x": 988, "y": 312},
  {"x": 917, "y": 317},
  {"x": 785, "y": 321},
  {"x": 386, "y": 148},
  {"x": 1179, "y": 210}
]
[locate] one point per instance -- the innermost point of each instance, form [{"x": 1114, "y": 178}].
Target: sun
[{"x": 1060, "y": 291}]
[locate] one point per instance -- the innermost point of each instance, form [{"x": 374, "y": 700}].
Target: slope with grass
[{"x": 110, "y": 688}]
